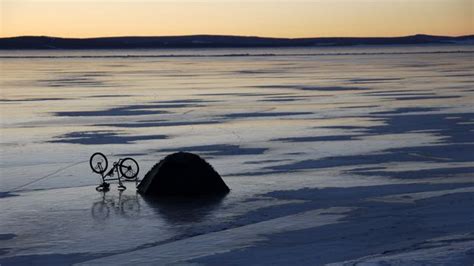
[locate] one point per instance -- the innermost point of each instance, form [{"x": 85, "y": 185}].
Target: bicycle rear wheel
[
  {"x": 129, "y": 168},
  {"x": 98, "y": 163}
]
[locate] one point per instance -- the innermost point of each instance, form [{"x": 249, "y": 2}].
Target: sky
[{"x": 266, "y": 18}]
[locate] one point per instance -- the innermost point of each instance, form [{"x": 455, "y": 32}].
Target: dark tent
[{"x": 182, "y": 174}]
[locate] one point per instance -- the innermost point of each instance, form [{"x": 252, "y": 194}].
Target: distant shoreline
[
  {"x": 134, "y": 56},
  {"x": 215, "y": 41}
]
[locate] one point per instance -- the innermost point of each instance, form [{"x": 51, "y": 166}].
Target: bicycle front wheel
[
  {"x": 129, "y": 168},
  {"x": 98, "y": 162}
]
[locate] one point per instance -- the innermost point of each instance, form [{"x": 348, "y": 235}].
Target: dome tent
[{"x": 182, "y": 174}]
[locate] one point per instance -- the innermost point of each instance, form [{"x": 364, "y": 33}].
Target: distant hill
[{"x": 215, "y": 41}]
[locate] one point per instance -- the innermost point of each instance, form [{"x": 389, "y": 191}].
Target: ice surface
[{"x": 373, "y": 130}]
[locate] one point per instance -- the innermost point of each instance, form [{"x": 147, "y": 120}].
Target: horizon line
[{"x": 231, "y": 35}]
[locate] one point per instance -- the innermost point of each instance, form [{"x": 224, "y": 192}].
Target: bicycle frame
[{"x": 110, "y": 174}]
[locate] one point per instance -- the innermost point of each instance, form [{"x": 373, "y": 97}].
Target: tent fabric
[{"x": 182, "y": 174}]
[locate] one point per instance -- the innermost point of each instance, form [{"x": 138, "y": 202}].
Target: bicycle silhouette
[{"x": 126, "y": 168}]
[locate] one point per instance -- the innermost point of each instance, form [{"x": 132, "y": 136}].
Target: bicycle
[{"x": 126, "y": 168}]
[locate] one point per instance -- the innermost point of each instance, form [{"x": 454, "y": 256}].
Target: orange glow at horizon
[{"x": 281, "y": 18}]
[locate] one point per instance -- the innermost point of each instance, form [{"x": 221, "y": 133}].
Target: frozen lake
[{"x": 305, "y": 137}]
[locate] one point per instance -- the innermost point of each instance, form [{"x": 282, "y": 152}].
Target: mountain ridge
[{"x": 216, "y": 41}]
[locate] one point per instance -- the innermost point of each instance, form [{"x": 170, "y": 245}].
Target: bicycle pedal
[{"x": 102, "y": 188}]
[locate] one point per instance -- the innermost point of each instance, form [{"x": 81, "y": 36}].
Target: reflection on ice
[
  {"x": 184, "y": 210},
  {"x": 109, "y": 206},
  {"x": 148, "y": 123},
  {"x": 102, "y": 137},
  {"x": 118, "y": 111},
  {"x": 219, "y": 150},
  {"x": 318, "y": 138}
]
